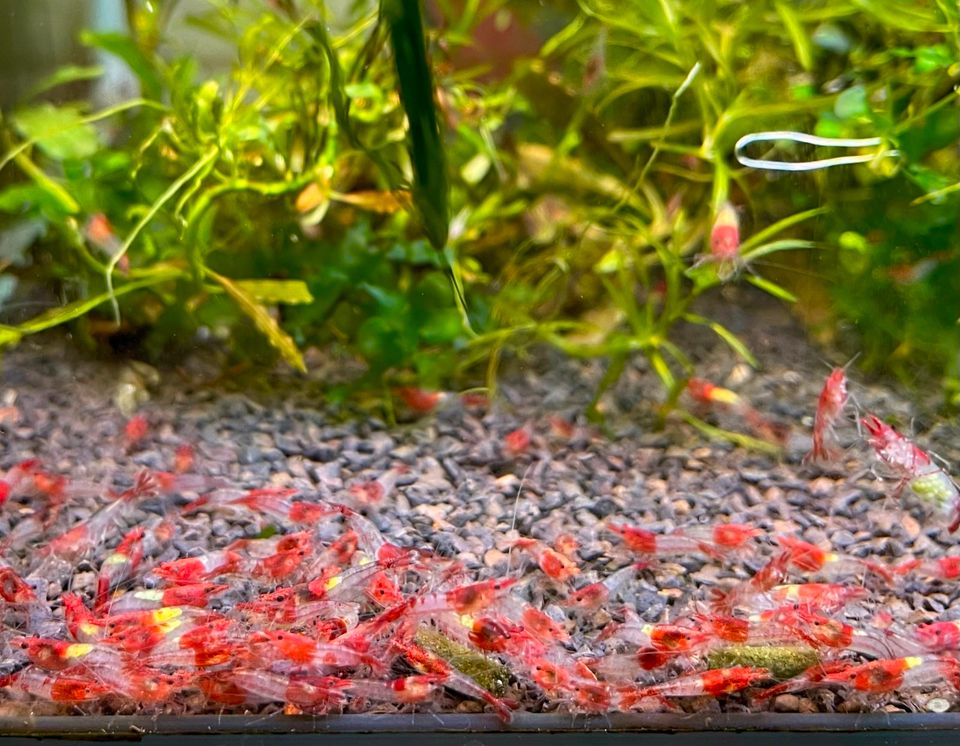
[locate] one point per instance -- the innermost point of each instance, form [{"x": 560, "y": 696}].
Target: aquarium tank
[{"x": 461, "y": 369}]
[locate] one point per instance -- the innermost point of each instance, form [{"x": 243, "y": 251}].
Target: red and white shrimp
[
  {"x": 914, "y": 468},
  {"x": 833, "y": 399},
  {"x": 715, "y": 682}
]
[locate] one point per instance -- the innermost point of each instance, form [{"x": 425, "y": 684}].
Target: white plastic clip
[{"x": 832, "y": 142}]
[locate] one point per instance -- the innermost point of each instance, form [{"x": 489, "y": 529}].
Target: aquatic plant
[
  {"x": 592, "y": 193},
  {"x": 277, "y": 193}
]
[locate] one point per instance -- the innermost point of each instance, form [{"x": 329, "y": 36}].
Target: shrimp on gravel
[
  {"x": 914, "y": 468},
  {"x": 833, "y": 399}
]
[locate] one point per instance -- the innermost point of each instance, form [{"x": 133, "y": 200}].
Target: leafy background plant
[{"x": 583, "y": 185}]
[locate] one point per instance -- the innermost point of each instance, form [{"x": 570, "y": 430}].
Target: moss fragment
[
  {"x": 490, "y": 674},
  {"x": 784, "y": 661}
]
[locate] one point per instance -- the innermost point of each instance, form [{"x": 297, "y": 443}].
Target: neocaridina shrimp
[
  {"x": 554, "y": 565},
  {"x": 75, "y": 684},
  {"x": 830, "y": 406},
  {"x": 270, "y": 646},
  {"x": 315, "y": 694},
  {"x": 119, "y": 565},
  {"x": 805, "y": 557},
  {"x": 714, "y": 682},
  {"x": 914, "y": 468},
  {"x": 890, "y": 674},
  {"x": 827, "y": 598},
  {"x": 650, "y": 544},
  {"x": 192, "y": 570},
  {"x": 427, "y": 663},
  {"x": 196, "y": 594},
  {"x": 594, "y": 595},
  {"x": 942, "y": 568}
]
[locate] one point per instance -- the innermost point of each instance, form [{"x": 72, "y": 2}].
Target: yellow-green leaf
[
  {"x": 771, "y": 287},
  {"x": 290, "y": 292},
  {"x": 725, "y": 334},
  {"x": 263, "y": 320}
]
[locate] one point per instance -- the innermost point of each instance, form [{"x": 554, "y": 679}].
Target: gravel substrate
[{"x": 465, "y": 494}]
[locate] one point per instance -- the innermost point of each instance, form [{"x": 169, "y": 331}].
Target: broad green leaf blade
[
  {"x": 62, "y": 314},
  {"x": 716, "y": 433},
  {"x": 772, "y": 288},
  {"x": 59, "y": 132},
  {"x": 430, "y": 185},
  {"x": 122, "y": 46},
  {"x": 289, "y": 292},
  {"x": 725, "y": 334},
  {"x": 263, "y": 320},
  {"x": 801, "y": 42},
  {"x": 787, "y": 244},
  {"x": 780, "y": 225},
  {"x": 66, "y": 74}
]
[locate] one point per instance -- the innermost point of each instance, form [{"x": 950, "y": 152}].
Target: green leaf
[
  {"x": 62, "y": 314},
  {"x": 442, "y": 327},
  {"x": 263, "y": 320},
  {"x": 67, "y": 74},
  {"x": 771, "y": 287},
  {"x": 852, "y": 103},
  {"x": 60, "y": 132},
  {"x": 289, "y": 292},
  {"x": 759, "y": 237},
  {"x": 122, "y": 46},
  {"x": 427, "y": 153},
  {"x": 787, "y": 244},
  {"x": 9, "y": 336},
  {"x": 725, "y": 334},
  {"x": 801, "y": 44},
  {"x": 716, "y": 433}
]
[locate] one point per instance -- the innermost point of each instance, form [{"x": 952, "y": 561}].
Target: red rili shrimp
[
  {"x": 119, "y": 565},
  {"x": 833, "y": 399},
  {"x": 914, "y": 468},
  {"x": 890, "y": 674},
  {"x": 594, "y": 595},
  {"x": 942, "y": 568},
  {"x": 554, "y": 565},
  {"x": 715, "y": 682},
  {"x": 420, "y": 401},
  {"x": 72, "y": 685},
  {"x": 810, "y": 558}
]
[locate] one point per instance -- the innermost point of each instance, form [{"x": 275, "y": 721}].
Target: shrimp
[
  {"x": 277, "y": 645},
  {"x": 420, "y": 401},
  {"x": 936, "y": 637},
  {"x": 428, "y": 663},
  {"x": 71, "y": 685},
  {"x": 317, "y": 694},
  {"x": 404, "y": 690},
  {"x": 766, "y": 578},
  {"x": 197, "y": 594},
  {"x": 554, "y": 565},
  {"x": 826, "y": 597},
  {"x": 890, "y": 674},
  {"x": 119, "y": 565},
  {"x": 714, "y": 682},
  {"x": 914, "y": 468},
  {"x": 830, "y": 406},
  {"x": 806, "y": 557},
  {"x": 192, "y": 570},
  {"x": 594, "y": 595},
  {"x": 942, "y": 568},
  {"x": 645, "y": 542}
]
